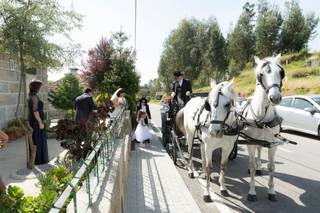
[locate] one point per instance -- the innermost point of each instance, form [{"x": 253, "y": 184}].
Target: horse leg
[
  {"x": 258, "y": 162},
  {"x": 271, "y": 168},
  {"x": 252, "y": 196},
  {"x": 223, "y": 169},
  {"x": 203, "y": 158},
  {"x": 208, "y": 168},
  {"x": 190, "y": 150}
]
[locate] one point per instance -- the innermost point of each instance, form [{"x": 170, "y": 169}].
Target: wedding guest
[
  {"x": 36, "y": 121},
  {"x": 84, "y": 106},
  {"x": 144, "y": 106}
]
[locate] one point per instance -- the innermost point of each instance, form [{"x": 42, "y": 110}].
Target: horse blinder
[{"x": 207, "y": 105}]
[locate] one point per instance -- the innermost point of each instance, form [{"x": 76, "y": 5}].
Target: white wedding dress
[{"x": 142, "y": 132}]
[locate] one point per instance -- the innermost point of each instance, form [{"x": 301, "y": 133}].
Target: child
[{"x": 142, "y": 132}]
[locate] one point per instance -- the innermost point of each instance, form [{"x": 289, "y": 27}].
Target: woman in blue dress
[{"x": 36, "y": 117}]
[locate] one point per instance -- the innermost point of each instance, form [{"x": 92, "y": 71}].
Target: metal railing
[{"x": 92, "y": 167}]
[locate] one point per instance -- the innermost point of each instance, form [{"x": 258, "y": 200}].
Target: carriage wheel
[
  {"x": 234, "y": 152},
  {"x": 174, "y": 147}
]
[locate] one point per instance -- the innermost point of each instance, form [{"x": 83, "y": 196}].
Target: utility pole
[{"x": 135, "y": 26}]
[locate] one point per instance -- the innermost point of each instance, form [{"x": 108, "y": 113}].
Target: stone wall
[{"x": 9, "y": 88}]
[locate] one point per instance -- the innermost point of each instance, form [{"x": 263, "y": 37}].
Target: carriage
[{"x": 172, "y": 139}]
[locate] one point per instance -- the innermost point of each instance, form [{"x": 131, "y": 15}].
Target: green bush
[
  {"x": 15, "y": 123},
  {"x": 53, "y": 183}
]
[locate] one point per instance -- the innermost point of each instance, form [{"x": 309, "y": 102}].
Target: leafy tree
[
  {"x": 66, "y": 93},
  {"x": 99, "y": 63},
  {"x": 268, "y": 29},
  {"x": 182, "y": 51},
  {"x": 111, "y": 65},
  {"x": 241, "y": 41},
  {"x": 215, "y": 58},
  {"x": 25, "y": 27},
  {"x": 297, "y": 30}
]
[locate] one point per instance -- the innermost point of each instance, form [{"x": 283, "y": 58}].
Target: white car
[{"x": 300, "y": 113}]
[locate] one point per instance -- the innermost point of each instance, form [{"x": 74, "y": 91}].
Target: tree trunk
[
  {"x": 30, "y": 148},
  {"x": 2, "y": 186},
  {"x": 19, "y": 95}
]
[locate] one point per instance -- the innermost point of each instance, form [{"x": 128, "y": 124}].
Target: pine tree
[
  {"x": 241, "y": 41},
  {"x": 268, "y": 29}
]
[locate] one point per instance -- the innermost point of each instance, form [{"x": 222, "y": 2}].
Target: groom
[{"x": 181, "y": 89}]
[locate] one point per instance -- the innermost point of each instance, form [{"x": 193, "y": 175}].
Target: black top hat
[{"x": 177, "y": 73}]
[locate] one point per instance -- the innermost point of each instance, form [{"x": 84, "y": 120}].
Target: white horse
[
  {"x": 216, "y": 114},
  {"x": 263, "y": 121}
]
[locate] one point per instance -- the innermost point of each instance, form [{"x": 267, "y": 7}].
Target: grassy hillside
[{"x": 300, "y": 79}]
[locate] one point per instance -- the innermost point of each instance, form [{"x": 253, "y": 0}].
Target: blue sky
[{"x": 156, "y": 19}]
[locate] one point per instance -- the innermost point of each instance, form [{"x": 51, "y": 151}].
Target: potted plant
[
  {"x": 11, "y": 132},
  {"x": 17, "y": 126}
]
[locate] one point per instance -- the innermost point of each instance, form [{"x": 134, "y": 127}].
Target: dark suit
[
  {"x": 84, "y": 106},
  {"x": 180, "y": 92},
  {"x": 147, "y": 111}
]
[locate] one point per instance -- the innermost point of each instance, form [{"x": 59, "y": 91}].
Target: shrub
[
  {"x": 53, "y": 183},
  {"x": 15, "y": 123}
]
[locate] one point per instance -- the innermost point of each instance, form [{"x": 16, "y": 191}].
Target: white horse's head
[
  {"x": 219, "y": 104},
  {"x": 269, "y": 74}
]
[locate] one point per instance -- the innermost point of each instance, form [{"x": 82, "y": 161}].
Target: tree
[
  {"x": 64, "y": 96},
  {"x": 215, "y": 58},
  {"x": 111, "y": 65},
  {"x": 268, "y": 29},
  {"x": 25, "y": 27},
  {"x": 99, "y": 62},
  {"x": 297, "y": 30},
  {"x": 182, "y": 51},
  {"x": 241, "y": 41}
]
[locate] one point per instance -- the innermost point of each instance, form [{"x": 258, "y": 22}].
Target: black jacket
[
  {"x": 147, "y": 111},
  {"x": 84, "y": 106},
  {"x": 180, "y": 91}
]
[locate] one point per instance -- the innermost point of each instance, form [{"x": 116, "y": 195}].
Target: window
[
  {"x": 301, "y": 104},
  {"x": 317, "y": 100},
  {"x": 286, "y": 102}
]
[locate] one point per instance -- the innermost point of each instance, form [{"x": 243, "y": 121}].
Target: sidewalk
[
  {"x": 154, "y": 184},
  {"x": 13, "y": 158}
]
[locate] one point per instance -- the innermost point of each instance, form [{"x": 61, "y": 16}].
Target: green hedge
[{"x": 53, "y": 183}]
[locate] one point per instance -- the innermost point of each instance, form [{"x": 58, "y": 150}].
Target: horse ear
[
  {"x": 257, "y": 59},
  {"x": 212, "y": 83},
  {"x": 278, "y": 58},
  {"x": 230, "y": 85}
]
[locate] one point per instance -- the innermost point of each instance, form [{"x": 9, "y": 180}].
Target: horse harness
[{"x": 228, "y": 130}]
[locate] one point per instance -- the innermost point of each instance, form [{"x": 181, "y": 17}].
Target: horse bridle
[
  {"x": 216, "y": 103},
  {"x": 260, "y": 75}
]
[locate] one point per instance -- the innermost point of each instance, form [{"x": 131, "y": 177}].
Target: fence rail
[{"x": 92, "y": 167}]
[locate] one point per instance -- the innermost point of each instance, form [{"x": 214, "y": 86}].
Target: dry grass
[{"x": 299, "y": 80}]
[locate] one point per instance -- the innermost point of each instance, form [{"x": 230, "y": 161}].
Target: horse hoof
[
  {"x": 207, "y": 198},
  {"x": 252, "y": 198},
  {"x": 259, "y": 172},
  {"x": 272, "y": 197},
  {"x": 224, "y": 193},
  {"x": 191, "y": 175}
]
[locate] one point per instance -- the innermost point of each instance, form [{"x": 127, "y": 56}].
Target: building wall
[{"x": 9, "y": 88}]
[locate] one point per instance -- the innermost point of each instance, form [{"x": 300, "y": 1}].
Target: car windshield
[{"x": 317, "y": 100}]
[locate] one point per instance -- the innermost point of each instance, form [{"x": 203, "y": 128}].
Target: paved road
[{"x": 297, "y": 179}]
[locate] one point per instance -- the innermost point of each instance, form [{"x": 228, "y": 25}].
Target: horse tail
[{"x": 180, "y": 121}]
